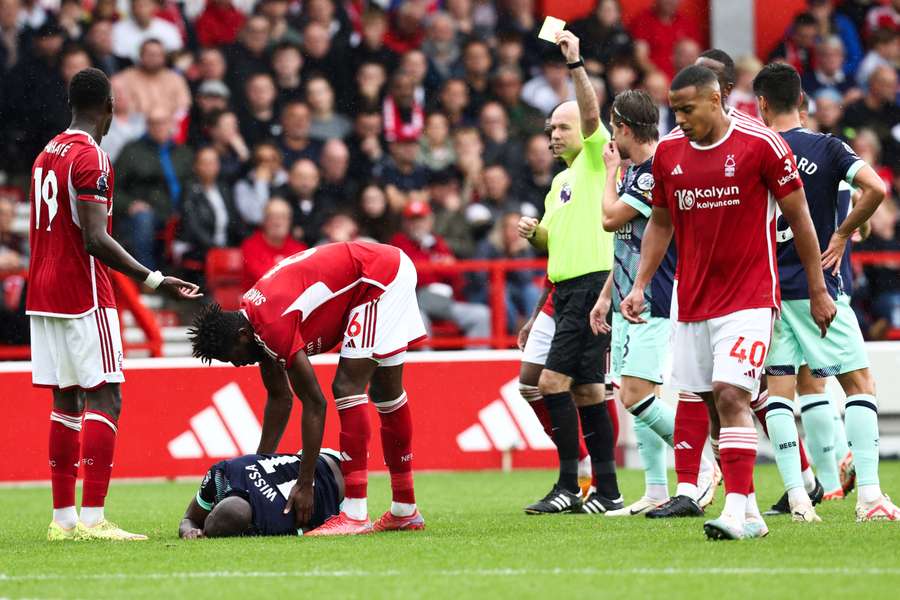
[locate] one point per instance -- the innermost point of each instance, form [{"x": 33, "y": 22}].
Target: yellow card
[{"x": 550, "y": 28}]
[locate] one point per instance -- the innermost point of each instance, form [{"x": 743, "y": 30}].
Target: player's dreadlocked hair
[
  {"x": 214, "y": 331},
  {"x": 89, "y": 89}
]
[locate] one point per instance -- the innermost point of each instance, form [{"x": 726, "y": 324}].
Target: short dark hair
[
  {"x": 149, "y": 41},
  {"x": 693, "y": 75},
  {"x": 89, "y": 90},
  {"x": 779, "y": 84},
  {"x": 214, "y": 331},
  {"x": 636, "y": 109},
  {"x": 804, "y": 19},
  {"x": 729, "y": 74}
]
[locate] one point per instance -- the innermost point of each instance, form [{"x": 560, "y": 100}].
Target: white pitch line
[{"x": 504, "y": 572}]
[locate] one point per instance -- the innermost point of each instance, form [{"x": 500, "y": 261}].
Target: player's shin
[
  {"x": 652, "y": 450},
  {"x": 861, "y": 415},
  {"x": 784, "y": 437},
  {"x": 98, "y": 447},
  {"x": 689, "y": 437},
  {"x": 656, "y": 415},
  {"x": 65, "y": 451},
  {"x": 818, "y": 424},
  {"x": 840, "y": 432},
  {"x": 396, "y": 442},
  {"x": 354, "y": 443},
  {"x": 738, "y": 450}
]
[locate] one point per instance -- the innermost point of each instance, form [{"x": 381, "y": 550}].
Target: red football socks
[
  {"x": 396, "y": 442},
  {"x": 691, "y": 430},
  {"x": 65, "y": 450},
  {"x": 97, "y": 456},
  {"x": 737, "y": 446},
  {"x": 354, "y": 443}
]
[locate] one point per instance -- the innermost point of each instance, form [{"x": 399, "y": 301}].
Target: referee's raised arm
[{"x": 585, "y": 95}]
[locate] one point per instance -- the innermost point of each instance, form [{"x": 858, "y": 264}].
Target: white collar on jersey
[
  {"x": 70, "y": 131},
  {"x": 718, "y": 143}
]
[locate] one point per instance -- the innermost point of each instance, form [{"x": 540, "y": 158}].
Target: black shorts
[{"x": 575, "y": 350}]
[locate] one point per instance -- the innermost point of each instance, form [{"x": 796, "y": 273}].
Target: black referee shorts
[{"x": 575, "y": 350}]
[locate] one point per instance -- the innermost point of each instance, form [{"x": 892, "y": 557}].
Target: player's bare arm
[
  {"x": 99, "y": 244},
  {"x": 312, "y": 427},
  {"x": 191, "y": 526},
  {"x": 872, "y": 193},
  {"x": 796, "y": 211},
  {"x": 279, "y": 400},
  {"x": 657, "y": 237},
  {"x": 584, "y": 91},
  {"x": 600, "y": 311},
  {"x": 522, "y": 338},
  {"x": 530, "y": 229},
  {"x": 615, "y": 212}
]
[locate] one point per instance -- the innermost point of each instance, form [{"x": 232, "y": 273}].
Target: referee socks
[
  {"x": 600, "y": 440},
  {"x": 564, "y": 419}
]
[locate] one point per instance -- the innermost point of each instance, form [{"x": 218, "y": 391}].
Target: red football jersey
[
  {"x": 722, "y": 202},
  {"x": 63, "y": 279},
  {"x": 547, "y": 308},
  {"x": 303, "y": 302}
]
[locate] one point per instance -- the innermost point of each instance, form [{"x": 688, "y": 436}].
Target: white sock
[
  {"x": 91, "y": 515},
  {"x": 809, "y": 480},
  {"x": 355, "y": 508},
  {"x": 869, "y": 493},
  {"x": 66, "y": 517},
  {"x": 657, "y": 491},
  {"x": 752, "y": 509},
  {"x": 797, "y": 496},
  {"x": 735, "y": 506},
  {"x": 687, "y": 489},
  {"x": 401, "y": 509}
]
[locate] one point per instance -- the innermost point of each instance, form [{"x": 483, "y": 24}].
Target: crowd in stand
[{"x": 277, "y": 125}]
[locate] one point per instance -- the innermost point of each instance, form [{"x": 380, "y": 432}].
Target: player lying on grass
[
  {"x": 247, "y": 495},
  {"x": 361, "y": 297}
]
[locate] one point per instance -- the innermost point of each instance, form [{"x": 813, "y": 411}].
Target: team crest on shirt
[
  {"x": 645, "y": 182},
  {"x": 729, "y": 165},
  {"x": 103, "y": 183},
  {"x": 565, "y": 194}
]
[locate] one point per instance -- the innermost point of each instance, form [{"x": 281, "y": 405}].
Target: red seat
[{"x": 224, "y": 272}]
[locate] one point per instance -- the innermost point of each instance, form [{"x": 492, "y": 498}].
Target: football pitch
[{"x": 478, "y": 543}]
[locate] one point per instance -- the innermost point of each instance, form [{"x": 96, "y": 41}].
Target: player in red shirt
[
  {"x": 361, "y": 296},
  {"x": 717, "y": 182},
  {"x": 76, "y": 345}
]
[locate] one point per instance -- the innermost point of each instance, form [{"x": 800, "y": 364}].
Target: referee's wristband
[
  {"x": 154, "y": 279},
  {"x": 576, "y": 64}
]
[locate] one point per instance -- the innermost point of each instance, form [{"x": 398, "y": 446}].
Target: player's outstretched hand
[
  {"x": 569, "y": 45},
  {"x": 633, "y": 306},
  {"x": 527, "y": 226},
  {"x": 179, "y": 290},
  {"x": 522, "y": 339},
  {"x": 834, "y": 253},
  {"x": 193, "y": 534},
  {"x": 301, "y": 500},
  {"x": 823, "y": 311},
  {"x": 598, "y": 316}
]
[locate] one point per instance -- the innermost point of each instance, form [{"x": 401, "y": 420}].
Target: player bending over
[
  {"x": 76, "y": 345},
  {"x": 359, "y": 295},
  {"x": 247, "y": 495}
]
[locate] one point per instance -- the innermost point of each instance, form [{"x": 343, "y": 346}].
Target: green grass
[{"x": 478, "y": 544}]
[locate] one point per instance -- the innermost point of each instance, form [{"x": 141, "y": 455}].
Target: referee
[{"x": 580, "y": 259}]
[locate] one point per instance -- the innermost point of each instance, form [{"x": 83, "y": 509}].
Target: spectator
[
  {"x": 320, "y": 57},
  {"x": 686, "y": 53},
  {"x": 13, "y": 247},
  {"x": 259, "y": 121},
  {"x": 798, "y": 46},
  {"x": 365, "y": 144},
  {"x": 211, "y": 65},
  {"x": 212, "y": 97},
  {"x": 829, "y": 71},
  {"x": 295, "y": 143},
  {"x": 99, "y": 43},
  {"x": 127, "y": 125},
  {"x": 280, "y": 29},
  {"x": 511, "y": 52},
  {"x": 879, "y": 111},
  {"x": 302, "y": 192},
  {"x": 552, "y": 87},
  {"x": 251, "y": 194},
  {"x": 402, "y": 177},
  {"x": 219, "y": 23},
  {"x": 339, "y": 227},
  {"x": 829, "y": 111},
  {"x": 13, "y": 259},
  {"x": 435, "y": 149},
  {"x": 742, "y": 96},
  {"x": 231, "y": 150},
  {"x": 377, "y": 221},
  {"x": 436, "y": 291},
  {"x": 449, "y": 221},
  {"x": 287, "y": 63},
  {"x": 660, "y": 28},
  {"x": 499, "y": 147},
  {"x": 524, "y": 119},
  {"x": 831, "y": 23},
  {"x": 271, "y": 243},
  {"x": 11, "y": 30},
  {"x": 326, "y": 123},
  {"x": 522, "y": 294},
  {"x": 469, "y": 150},
  {"x": 404, "y": 116},
  {"x": 324, "y": 12},
  {"x": 130, "y": 34},
  {"x": 883, "y": 280},
  {"x": 338, "y": 188},
  {"x": 149, "y": 173},
  {"x": 371, "y": 47},
  {"x": 441, "y": 44},
  {"x": 885, "y": 52},
  {"x": 604, "y": 37},
  {"x": 406, "y": 30},
  {"x": 476, "y": 71},
  {"x": 370, "y": 80},
  {"x": 454, "y": 102},
  {"x": 495, "y": 201},
  {"x": 532, "y": 188},
  {"x": 415, "y": 64},
  {"x": 657, "y": 86},
  {"x": 249, "y": 54},
  {"x": 151, "y": 85},
  {"x": 208, "y": 216},
  {"x": 866, "y": 144},
  {"x": 622, "y": 76}
]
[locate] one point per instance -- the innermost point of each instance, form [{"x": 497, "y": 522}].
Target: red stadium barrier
[{"x": 179, "y": 417}]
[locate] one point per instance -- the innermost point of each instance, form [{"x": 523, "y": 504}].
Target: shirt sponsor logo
[
  {"x": 711, "y": 197},
  {"x": 788, "y": 178}
]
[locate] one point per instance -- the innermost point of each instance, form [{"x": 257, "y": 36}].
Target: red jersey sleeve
[
  {"x": 91, "y": 175},
  {"x": 779, "y": 170},
  {"x": 281, "y": 336},
  {"x": 659, "y": 191}
]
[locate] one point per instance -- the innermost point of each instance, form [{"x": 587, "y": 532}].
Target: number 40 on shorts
[{"x": 756, "y": 354}]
